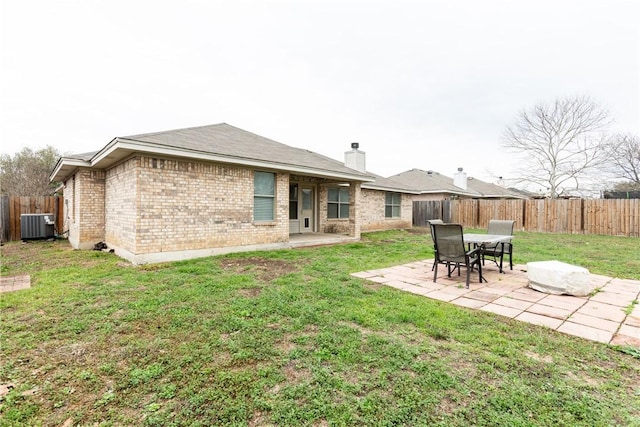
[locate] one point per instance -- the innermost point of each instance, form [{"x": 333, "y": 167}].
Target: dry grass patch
[{"x": 264, "y": 269}]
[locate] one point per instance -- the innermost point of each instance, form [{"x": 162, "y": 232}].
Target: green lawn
[{"x": 290, "y": 338}]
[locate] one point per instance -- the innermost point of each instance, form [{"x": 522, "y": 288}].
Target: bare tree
[
  {"x": 561, "y": 143},
  {"x": 623, "y": 152},
  {"x": 27, "y": 172}
]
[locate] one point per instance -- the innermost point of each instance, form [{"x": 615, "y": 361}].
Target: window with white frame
[
  {"x": 293, "y": 201},
  {"x": 338, "y": 202},
  {"x": 264, "y": 196},
  {"x": 392, "y": 205}
]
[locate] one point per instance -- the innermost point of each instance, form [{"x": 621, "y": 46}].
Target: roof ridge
[{"x": 175, "y": 130}]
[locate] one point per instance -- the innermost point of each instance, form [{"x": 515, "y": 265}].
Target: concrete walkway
[
  {"x": 611, "y": 315},
  {"x": 15, "y": 283}
]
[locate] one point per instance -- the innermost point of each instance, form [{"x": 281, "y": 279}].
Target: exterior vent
[{"x": 36, "y": 226}]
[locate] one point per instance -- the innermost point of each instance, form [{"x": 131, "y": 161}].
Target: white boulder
[{"x": 555, "y": 277}]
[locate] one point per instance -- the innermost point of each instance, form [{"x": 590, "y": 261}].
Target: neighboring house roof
[
  {"x": 631, "y": 194},
  {"x": 488, "y": 190},
  {"x": 221, "y": 143},
  {"x": 388, "y": 184},
  {"x": 430, "y": 182}
]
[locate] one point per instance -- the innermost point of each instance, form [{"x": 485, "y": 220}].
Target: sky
[{"x": 418, "y": 84}]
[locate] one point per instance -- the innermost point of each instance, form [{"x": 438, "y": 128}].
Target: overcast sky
[{"x": 428, "y": 85}]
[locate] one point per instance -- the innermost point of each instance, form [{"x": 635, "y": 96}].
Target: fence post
[{"x": 5, "y": 223}]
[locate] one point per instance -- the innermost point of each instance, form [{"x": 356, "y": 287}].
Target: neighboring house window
[
  {"x": 338, "y": 203},
  {"x": 264, "y": 196},
  {"x": 392, "y": 205}
]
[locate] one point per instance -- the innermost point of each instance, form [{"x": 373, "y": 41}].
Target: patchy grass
[
  {"x": 289, "y": 338},
  {"x": 608, "y": 255}
]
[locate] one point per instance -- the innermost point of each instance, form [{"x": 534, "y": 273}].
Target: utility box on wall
[{"x": 37, "y": 226}]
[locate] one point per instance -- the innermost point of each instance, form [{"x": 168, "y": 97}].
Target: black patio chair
[
  {"x": 432, "y": 222},
  {"x": 450, "y": 251},
  {"x": 498, "y": 251}
]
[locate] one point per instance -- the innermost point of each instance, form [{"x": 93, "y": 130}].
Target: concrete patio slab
[
  {"x": 15, "y": 283},
  {"x": 583, "y": 331},
  {"x": 610, "y": 315},
  {"x": 550, "y": 311},
  {"x": 603, "y": 311},
  {"x": 502, "y": 310},
  {"x": 539, "y": 319},
  {"x": 469, "y": 303},
  {"x": 513, "y": 303}
]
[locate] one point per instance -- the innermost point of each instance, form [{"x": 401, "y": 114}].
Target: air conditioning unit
[{"x": 37, "y": 226}]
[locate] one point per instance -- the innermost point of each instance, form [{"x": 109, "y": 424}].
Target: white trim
[
  {"x": 65, "y": 162},
  {"x": 390, "y": 189},
  {"x": 130, "y": 146}
]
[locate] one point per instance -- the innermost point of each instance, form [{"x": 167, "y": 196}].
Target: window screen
[
  {"x": 264, "y": 195},
  {"x": 392, "y": 205}
]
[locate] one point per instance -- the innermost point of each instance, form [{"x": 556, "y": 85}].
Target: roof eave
[
  {"x": 65, "y": 167},
  {"x": 120, "y": 148},
  {"x": 504, "y": 196},
  {"x": 459, "y": 193},
  {"x": 369, "y": 186}
]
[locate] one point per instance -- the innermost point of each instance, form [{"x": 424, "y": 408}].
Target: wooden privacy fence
[
  {"x": 615, "y": 217},
  {"x": 12, "y": 207}
]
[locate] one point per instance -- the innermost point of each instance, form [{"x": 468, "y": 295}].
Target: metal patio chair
[
  {"x": 450, "y": 251},
  {"x": 498, "y": 251},
  {"x": 432, "y": 222}
]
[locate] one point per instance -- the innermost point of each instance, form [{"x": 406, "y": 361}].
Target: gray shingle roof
[
  {"x": 431, "y": 182},
  {"x": 218, "y": 143},
  {"x": 388, "y": 184},
  {"x": 83, "y": 156},
  {"x": 434, "y": 182},
  {"x": 230, "y": 141},
  {"x": 491, "y": 190}
]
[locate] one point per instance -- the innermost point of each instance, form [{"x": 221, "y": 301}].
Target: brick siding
[
  {"x": 160, "y": 205},
  {"x": 121, "y": 202},
  {"x": 348, "y": 226},
  {"x": 84, "y": 208},
  {"x": 372, "y": 211},
  {"x": 148, "y": 205}
]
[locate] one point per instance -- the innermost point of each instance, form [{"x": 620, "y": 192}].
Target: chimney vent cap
[
  {"x": 355, "y": 145},
  {"x": 459, "y": 169}
]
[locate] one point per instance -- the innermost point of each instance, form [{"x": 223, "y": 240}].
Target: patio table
[{"x": 483, "y": 240}]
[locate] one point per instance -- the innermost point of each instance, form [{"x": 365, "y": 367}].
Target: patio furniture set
[{"x": 456, "y": 249}]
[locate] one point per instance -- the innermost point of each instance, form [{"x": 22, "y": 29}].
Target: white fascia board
[
  {"x": 368, "y": 186},
  {"x": 142, "y": 147},
  {"x": 106, "y": 150},
  {"x": 65, "y": 162}
]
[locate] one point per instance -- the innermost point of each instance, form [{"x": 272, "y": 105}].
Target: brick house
[
  {"x": 216, "y": 189},
  {"x": 431, "y": 185}
]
